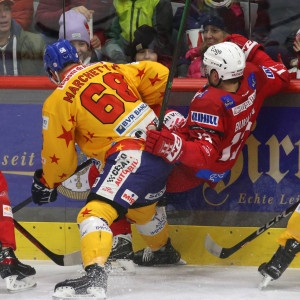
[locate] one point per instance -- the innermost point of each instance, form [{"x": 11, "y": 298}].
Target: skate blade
[
  {"x": 14, "y": 286},
  {"x": 122, "y": 267},
  {"x": 181, "y": 262},
  {"x": 63, "y": 293},
  {"x": 265, "y": 282}
]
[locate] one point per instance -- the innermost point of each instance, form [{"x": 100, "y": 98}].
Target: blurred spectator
[
  {"x": 78, "y": 34},
  {"x": 229, "y": 11},
  {"x": 293, "y": 44},
  {"x": 262, "y": 31},
  {"x": 130, "y": 15},
  {"x": 214, "y": 32},
  {"x": 22, "y": 51},
  {"x": 145, "y": 46},
  {"x": 48, "y": 14},
  {"x": 22, "y": 13}
]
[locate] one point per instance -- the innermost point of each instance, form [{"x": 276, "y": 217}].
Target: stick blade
[
  {"x": 73, "y": 259},
  {"x": 212, "y": 247}
]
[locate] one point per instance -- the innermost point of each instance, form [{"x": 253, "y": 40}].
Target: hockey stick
[
  {"x": 70, "y": 259},
  {"x": 218, "y": 251},
  {"x": 64, "y": 17},
  {"x": 29, "y": 200},
  {"x": 164, "y": 104}
]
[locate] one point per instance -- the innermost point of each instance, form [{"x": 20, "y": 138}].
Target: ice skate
[
  {"x": 121, "y": 256},
  {"x": 279, "y": 262},
  {"x": 122, "y": 247},
  {"x": 92, "y": 285},
  {"x": 17, "y": 276},
  {"x": 165, "y": 255}
]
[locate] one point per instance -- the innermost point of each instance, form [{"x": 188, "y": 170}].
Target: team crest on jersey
[
  {"x": 228, "y": 101},
  {"x": 252, "y": 81},
  {"x": 203, "y": 118},
  {"x": 132, "y": 118},
  {"x": 268, "y": 72}
]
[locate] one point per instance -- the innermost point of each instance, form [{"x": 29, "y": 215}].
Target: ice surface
[{"x": 170, "y": 283}]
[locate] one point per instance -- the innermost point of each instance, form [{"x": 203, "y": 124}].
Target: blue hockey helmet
[{"x": 58, "y": 55}]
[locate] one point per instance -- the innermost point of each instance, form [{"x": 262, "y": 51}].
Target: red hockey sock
[{"x": 120, "y": 227}]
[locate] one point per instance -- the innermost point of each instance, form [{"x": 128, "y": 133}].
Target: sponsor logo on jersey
[
  {"x": 126, "y": 163},
  {"x": 268, "y": 72},
  {"x": 228, "y": 101},
  {"x": 107, "y": 189},
  {"x": 154, "y": 196},
  {"x": 98, "y": 224},
  {"x": 252, "y": 81},
  {"x": 132, "y": 118},
  {"x": 156, "y": 225},
  {"x": 129, "y": 196},
  {"x": 211, "y": 176},
  {"x": 7, "y": 212},
  {"x": 70, "y": 75},
  {"x": 45, "y": 122},
  {"x": 203, "y": 118},
  {"x": 242, "y": 107}
]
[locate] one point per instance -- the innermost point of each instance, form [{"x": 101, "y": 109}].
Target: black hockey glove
[{"x": 40, "y": 193}]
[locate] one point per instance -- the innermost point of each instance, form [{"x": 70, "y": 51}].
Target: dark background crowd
[{"x": 124, "y": 31}]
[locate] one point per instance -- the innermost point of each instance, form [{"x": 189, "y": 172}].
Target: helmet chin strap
[{"x": 55, "y": 78}]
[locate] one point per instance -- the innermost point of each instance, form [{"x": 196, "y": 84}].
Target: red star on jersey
[
  {"x": 62, "y": 175},
  {"x": 86, "y": 212},
  {"x": 72, "y": 119},
  {"x": 155, "y": 79},
  {"x": 87, "y": 139},
  {"x": 54, "y": 159},
  {"x": 67, "y": 135},
  {"x": 140, "y": 73},
  {"x": 91, "y": 135}
]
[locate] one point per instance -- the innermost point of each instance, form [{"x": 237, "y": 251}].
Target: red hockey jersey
[{"x": 219, "y": 123}]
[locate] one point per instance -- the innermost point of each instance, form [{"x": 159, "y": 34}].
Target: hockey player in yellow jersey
[
  {"x": 289, "y": 247},
  {"x": 105, "y": 108}
]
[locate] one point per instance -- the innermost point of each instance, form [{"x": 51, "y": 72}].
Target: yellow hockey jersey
[{"x": 96, "y": 106}]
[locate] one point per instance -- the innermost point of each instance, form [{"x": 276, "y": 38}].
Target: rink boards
[
  {"x": 62, "y": 238},
  {"x": 263, "y": 183}
]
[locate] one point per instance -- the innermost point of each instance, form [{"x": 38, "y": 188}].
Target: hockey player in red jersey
[
  {"x": 221, "y": 115},
  {"x": 17, "y": 276},
  {"x": 220, "y": 119}
]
